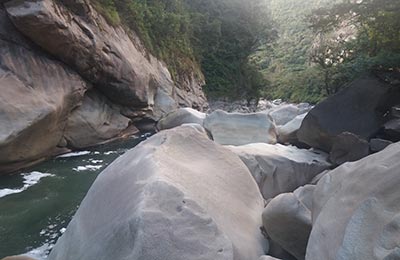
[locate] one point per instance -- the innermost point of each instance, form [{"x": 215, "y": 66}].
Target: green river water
[{"x": 37, "y": 204}]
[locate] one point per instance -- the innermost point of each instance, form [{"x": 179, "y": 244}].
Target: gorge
[{"x": 173, "y": 130}]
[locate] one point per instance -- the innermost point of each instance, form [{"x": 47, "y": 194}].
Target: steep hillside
[
  {"x": 69, "y": 79},
  {"x": 286, "y": 63}
]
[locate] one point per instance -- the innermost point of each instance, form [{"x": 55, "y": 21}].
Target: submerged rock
[
  {"x": 176, "y": 196},
  {"x": 356, "y": 211},
  {"x": 239, "y": 129},
  {"x": 278, "y": 168}
]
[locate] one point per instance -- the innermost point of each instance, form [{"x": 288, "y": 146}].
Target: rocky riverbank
[
  {"x": 220, "y": 186},
  {"x": 69, "y": 80}
]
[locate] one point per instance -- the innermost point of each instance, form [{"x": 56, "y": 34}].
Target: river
[{"x": 36, "y": 205}]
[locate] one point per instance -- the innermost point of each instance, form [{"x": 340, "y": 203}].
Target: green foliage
[
  {"x": 216, "y": 36},
  {"x": 310, "y": 61},
  {"x": 108, "y": 10},
  {"x": 375, "y": 43},
  {"x": 285, "y": 63}
]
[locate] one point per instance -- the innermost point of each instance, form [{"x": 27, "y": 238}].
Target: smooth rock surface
[
  {"x": 180, "y": 117},
  {"x": 18, "y": 257},
  {"x": 356, "y": 210},
  {"x": 377, "y": 145},
  {"x": 392, "y": 130},
  {"x": 287, "y": 133},
  {"x": 348, "y": 147},
  {"x": 95, "y": 121},
  {"x": 110, "y": 58},
  {"x": 287, "y": 220},
  {"x": 176, "y": 196},
  {"x": 267, "y": 257},
  {"x": 360, "y": 109},
  {"x": 37, "y": 94},
  {"x": 239, "y": 129},
  {"x": 284, "y": 114},
  {"x": 278, "y": 168}
]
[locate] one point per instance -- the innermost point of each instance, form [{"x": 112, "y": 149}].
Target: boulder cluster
[{"x": 234, "y": 186}]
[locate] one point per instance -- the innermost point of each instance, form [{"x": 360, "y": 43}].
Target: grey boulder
[
  {"x": 267, "y": 257},
  {"x": 360, "y": 108},
  {"x": 287, "y": 220},
  {"x": 239, "y": 129},
  {"x": 180, "y": 117},
  {"x": 37, "y": 94},
  {"x": 285, "y": 113},
  {"x": 287, "y": 133},
  {"x": 96, "y": 121},
  {"x": 176, "y": 196},
  {"x": 377, "y": 145},
  {"x": 392, "y": 129},
  {"x": 348, "y": 147},
  {"x": 278, "y": 168},
  {"x": 356, "y": 210}
]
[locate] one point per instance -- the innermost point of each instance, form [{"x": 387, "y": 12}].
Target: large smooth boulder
[
  {"x": 279, "y": 168},
  {"x": 239, "y": 129},
  {"x": 37, "y": 94},
  {"x": 356, "y": 210},
  {"x": 287, "y": 220},
  {"x": 180, "y": 117},
  {"x": 348, "y": 147},
  {"x": 285, "y": 113},
  {"x": 111, "y": 58},
  {"x": 361, "y": 109},
  {"x": 96, "y": 121},
  {"x": 176, "y": 196},
  {"x": 287, "y": 133}
]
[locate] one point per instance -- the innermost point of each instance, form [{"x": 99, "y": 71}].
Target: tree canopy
[{"x": 214, "y": 36}]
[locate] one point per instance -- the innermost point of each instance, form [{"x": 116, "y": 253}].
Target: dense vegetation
[
  {"x": 315, "y": 48},
  {"x": 324, "y": 44},
  {"x": 216, "y": 36}
]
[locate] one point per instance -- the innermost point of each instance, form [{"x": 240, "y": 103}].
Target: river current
[{"x": 36, "y": 205}]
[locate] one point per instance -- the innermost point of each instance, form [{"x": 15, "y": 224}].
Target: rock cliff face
[{"x": 51, "y": 54}]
